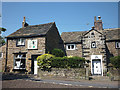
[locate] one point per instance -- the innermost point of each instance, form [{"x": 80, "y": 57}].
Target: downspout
[{"x": 6, "y": 56}]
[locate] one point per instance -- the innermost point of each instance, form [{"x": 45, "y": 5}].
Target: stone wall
[
  {"x": 2, "y": 60},
  {"x": 111, "y": 50},
  {"x": 12, "y": 48},
  {"x": 114, "y": 74},
  {"x": 99, "y": 39},
  {"x": 100, "y": 49},
  {"x": 44, "y": 45},
  {"x": 53, "y": 39},
  {"x": 76, "y": 52},
  {"x": 77, "y": 73}
]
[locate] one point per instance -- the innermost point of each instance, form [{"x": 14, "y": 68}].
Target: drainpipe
[{"x": 6, "y": 55}]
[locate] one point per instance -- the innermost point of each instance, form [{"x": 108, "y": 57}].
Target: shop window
[{"x": 19, "y": 61}]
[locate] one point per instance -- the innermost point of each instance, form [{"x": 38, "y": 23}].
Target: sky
[{"x": 68, "y": 16}]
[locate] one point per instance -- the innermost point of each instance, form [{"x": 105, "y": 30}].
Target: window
[
  {"x": 70, "y": 46},
  {"x": 92, "y": 33},
  {"x": 21, "y": 42},
  {"x": 117, "y": 45},
  {"x": 93, "y": 45},
  {"x": 1, "y": 55},
  {"x": 32, "y": 44},
  {"x": 19, "y": 61}
]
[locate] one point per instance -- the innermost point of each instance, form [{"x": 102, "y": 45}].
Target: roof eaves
[
  {"x": 27, "y": 36},
  {"x": 112, "y": 39},
  {"x": 12, "y": 35},
  {"x": 91, "y": 30}
]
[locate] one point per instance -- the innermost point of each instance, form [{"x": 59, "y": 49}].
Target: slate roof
[
  {"x": 32, "y": 30},
  {"x": 112, "y": 34},
  {"x": 74, "y": 37}
]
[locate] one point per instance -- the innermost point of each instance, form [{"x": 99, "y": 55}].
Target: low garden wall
[
  {"x": 72, "y": 73},
  {"x": 114, "y": 75}
]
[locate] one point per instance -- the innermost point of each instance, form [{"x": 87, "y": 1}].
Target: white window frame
[
  {"x": 20, "y": 42},
  {"x": 30, "y": 44},
  {"x": 1, "y": 55},
  {"x": 70, "y": 46},
  {"x": 92, "y": 44},
  {"x": 117, "y": 44}
]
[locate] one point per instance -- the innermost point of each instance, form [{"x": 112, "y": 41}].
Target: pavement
[{"x": 17, "y": 80}]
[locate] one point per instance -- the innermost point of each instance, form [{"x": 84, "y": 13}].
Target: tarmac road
[
  {"x": 94, "y": 84},
  {"x": 25, "y": 81}
]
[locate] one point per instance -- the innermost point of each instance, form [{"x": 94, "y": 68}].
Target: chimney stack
[
  {"x": 98, "y": 23},
  {"x": 24, "y": 24}
]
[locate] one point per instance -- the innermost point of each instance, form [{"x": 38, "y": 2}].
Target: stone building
[
  {"x": 28, "y": 42},
  {"x": 2, "y": 57},
  {"x": 0, "y": 37},
  {"x": 96, "y": 45}
]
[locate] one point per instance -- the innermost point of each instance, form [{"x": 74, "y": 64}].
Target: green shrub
[
  {"x": 108, "y": 73},
  {"x": 44, "y": 61},
  {"x": 67, "y": 62},
  {"x": 59, "y": 62},
  {"x": 58, "y": 52},
  {"x": 115, "y": 61},
  {"x": 76, "y": 62}
]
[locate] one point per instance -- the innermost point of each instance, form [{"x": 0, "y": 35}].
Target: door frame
[
  {"x": 35, "y": 66},
  {"x": 94, "y": 61},
  {"x": 93, "y": 57},
  {"x": 34, "y": 57}
]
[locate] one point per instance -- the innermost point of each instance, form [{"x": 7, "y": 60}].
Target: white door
[
  {"x": 35, "y": 66},
  {"x": 96, "y": 67}
]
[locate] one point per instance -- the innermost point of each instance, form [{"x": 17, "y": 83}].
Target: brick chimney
[
  {"x": 98, "y": 23},
  {"x": 24, "y": 24}
]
